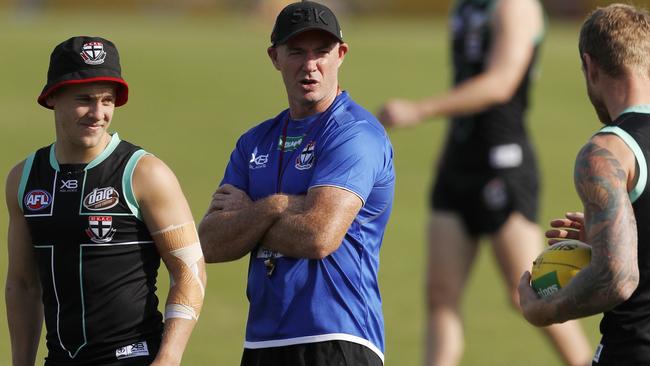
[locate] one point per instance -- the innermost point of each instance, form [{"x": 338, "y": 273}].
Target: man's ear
[
  {"x": 343, "y": 50},
  {"x": 50, "y": 100},
  {"x": 273, "y": 55},
  {"x": 591, "y": 68}
]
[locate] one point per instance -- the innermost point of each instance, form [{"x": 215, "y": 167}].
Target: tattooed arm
[{"x": 604, "y": 170}]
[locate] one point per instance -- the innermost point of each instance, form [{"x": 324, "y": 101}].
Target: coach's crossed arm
[
  {"x": 316, "y": 228},
  {"x": 234, "y": 224}
]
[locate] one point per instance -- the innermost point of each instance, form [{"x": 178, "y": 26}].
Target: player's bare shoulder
[
  {"x": 13, "y": 181},
  {"x": 610, "y": 148},
  {"x": 151, "y": 173}
]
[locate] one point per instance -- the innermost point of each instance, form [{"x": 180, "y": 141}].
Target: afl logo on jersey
[
  {"x": 305, "y": 160},
  {"x": 37, "y": 199},
  {"x": 101, "y": 199}
]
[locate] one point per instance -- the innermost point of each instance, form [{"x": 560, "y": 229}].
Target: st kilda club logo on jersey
[
  {"x": 93, "y": 53},
  {"x": 306, "y": 158},
  {"x": 101, "y": 199},
  {"x": 38, "y": 199},
  {"x": 100, "y": 229}
]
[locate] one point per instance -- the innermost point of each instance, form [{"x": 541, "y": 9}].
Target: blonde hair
[{"x": 617, "y": 37}]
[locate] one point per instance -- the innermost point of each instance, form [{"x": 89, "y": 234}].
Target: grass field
[{"x": 198, "y": 83}]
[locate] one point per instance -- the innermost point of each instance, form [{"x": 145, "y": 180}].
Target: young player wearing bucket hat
[
  {"x": 90, "y": 217},
  {"x": 308, "y": 194}
]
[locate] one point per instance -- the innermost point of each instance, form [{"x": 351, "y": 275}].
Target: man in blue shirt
[{"x": 308, "y": 194}]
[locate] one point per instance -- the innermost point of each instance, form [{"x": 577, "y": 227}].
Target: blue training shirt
[{"x": 336, "y": 298}]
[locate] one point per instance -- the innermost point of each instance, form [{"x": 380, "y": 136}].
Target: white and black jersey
[{"x": 97, "y": 261}]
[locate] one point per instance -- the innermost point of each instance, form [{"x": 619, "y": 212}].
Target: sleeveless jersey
[
  {"x": 97, "y": 262},
  {"x": 495, "y": 137},
  {"x": 628, "y": 324},
  {"x": 336, "y": 298}
]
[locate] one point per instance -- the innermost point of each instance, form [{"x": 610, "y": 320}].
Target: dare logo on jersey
[
  {"x": 37, "y": 199},
  {"x": 101, "y": 199}
]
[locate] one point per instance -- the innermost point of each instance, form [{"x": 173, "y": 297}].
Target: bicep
[
  {"x": 601, "y": 182},
  {"x": 159, "y": 195},
  {"x": 21, "y": 263},
  {"x": 337, "y": 207},
  {"x": 516, "y": 24},
  {"x": 354, "y": 161}
]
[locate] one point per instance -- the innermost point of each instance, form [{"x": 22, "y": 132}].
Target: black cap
[
  {"x": 306, "y": 15},
  {"x": 84, "y": 60}
]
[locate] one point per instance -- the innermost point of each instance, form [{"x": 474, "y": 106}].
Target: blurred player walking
[{"x": 487, "y": 182}]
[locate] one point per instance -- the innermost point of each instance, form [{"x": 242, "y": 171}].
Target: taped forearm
[{"x": 180, "y": 249}]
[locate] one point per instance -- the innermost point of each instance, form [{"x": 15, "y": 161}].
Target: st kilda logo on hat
[
  {"x": 84, "y": 59},
  {"x": 93, "y": 53}
]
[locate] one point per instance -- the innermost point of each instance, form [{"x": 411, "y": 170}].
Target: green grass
[{"x": 198, "y": 83}]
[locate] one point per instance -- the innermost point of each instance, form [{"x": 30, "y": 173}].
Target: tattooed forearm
[{"x": 612, "y": 276}]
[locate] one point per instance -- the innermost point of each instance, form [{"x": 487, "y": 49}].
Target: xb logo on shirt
[
  {"x": 69, "y": 185},
  {"x": 258, "y": 161}
]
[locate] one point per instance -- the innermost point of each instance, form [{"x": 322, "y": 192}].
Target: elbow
[
  {"x": 322, "y": 246},
  {"x": 23, "y": 289},
  {"x": 207, "y": 243},
  {"x": 502, "y": 94},
  {"x": 320, "y": 253},
  {"x": 623, "y": 286},
  {"x": 207, "y": 255},
  {"x": 212, "y": 255},
  {"x": 626, "y": 288},
  {"x": 502, "y": 87}
]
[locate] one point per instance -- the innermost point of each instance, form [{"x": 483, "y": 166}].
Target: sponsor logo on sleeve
[
  {"x": 306, "y": 158},
  {"x": 258, "y": 161},
  {"x": 136, "y": 349},
  {"x": 37, "y": 200},
  {"x": 100, "y": 229},
  {"x": 101, "y": 199},
  {"x": 93, "y": 53}
]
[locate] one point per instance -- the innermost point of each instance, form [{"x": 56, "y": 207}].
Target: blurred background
[
  {"x": 200, "y": 76},
  {"x": 563, "y": 8}
]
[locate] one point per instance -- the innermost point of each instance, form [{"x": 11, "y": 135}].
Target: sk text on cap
[{"x": 303, "y": 16}]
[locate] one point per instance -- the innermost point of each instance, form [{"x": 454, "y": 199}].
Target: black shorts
[
  {"x": 618, "y": 353},
  {"x": 135, "y": 357},
  {"x": 485, "y": 199},
  {"x": 329, "y": 353}
]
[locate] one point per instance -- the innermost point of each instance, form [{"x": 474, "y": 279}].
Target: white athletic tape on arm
[{"x": 181, "y": 251}]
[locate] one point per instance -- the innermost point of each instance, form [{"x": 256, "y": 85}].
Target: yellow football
[{"x": 558, "y": 264}]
